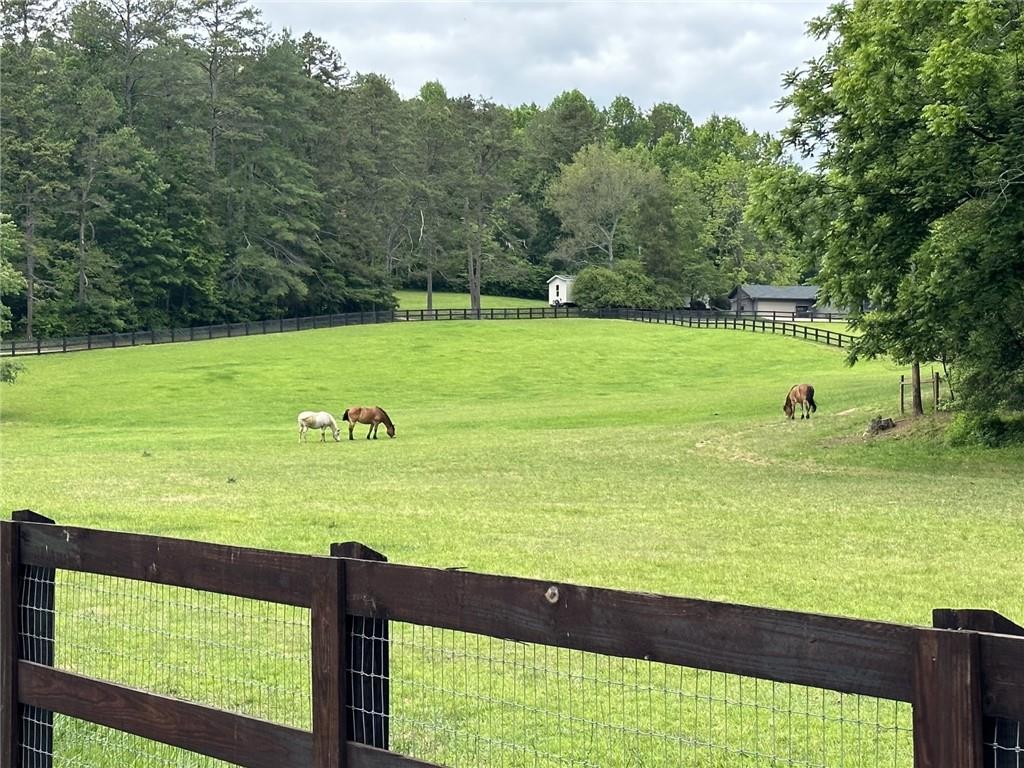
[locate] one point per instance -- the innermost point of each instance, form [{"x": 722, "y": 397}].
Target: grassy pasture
[
  {"x": 620, "y": 454},
  {"x": 418, "y": 300},
  {"x": 611, "y": 453}
]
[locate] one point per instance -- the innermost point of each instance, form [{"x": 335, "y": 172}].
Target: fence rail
[
  {"x": 789, "y": 324},
  {"x": 415, "y": 666}
]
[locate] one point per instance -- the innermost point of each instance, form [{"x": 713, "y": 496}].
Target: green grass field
[
  {"x": 625, "y": 455},
  {"x": 618, "y": 454},
  {"x": 418, "y": 300}
]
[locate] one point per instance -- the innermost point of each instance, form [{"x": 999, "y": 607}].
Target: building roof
[
  {"x": 561, "y": 277},
  {"x": 779, "y": 292}
]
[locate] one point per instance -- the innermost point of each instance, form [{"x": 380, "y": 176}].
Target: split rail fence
[
  {"x": 122, "y": 649},
  {"x": 766, "y": 323}
]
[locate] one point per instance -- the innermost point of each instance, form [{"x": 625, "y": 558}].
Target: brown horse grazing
[
  {"x": 802, "y": 395},
  {"x": 372, "y": 416}
]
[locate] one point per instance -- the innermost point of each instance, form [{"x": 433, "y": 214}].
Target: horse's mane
[{"x": 384, "y": 415}]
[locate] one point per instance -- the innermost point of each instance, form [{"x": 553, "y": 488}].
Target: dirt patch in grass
[{"x": 929, "y": 425}]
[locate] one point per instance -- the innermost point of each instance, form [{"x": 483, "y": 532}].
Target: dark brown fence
[
  {"x": 121, "y": 649},
  {"x": 775, "y": 322}
]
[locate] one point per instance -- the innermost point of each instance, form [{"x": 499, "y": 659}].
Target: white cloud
[{"x": 707, "y": 57}]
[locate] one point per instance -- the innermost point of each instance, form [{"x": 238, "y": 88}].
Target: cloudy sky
[{"x": 724, "y": 57}]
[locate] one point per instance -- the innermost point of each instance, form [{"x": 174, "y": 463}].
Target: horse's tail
[
  {"x": 810, "y": 399},
  {"x": 384, "y": 416},
  {"x": 344, "y": 416}
]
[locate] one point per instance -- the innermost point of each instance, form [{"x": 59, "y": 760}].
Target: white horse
[{"x": 313, "y": 420}]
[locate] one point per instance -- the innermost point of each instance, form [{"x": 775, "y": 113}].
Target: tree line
[{"x": 177, "y": 161}]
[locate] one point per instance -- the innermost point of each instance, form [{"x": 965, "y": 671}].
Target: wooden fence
[
  {"x": 935, "y": 384},
  {"x": 953, "y": 677},
  {"x": 775, "y": 322}
]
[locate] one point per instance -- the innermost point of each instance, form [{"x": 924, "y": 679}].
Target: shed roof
[
  {"x": 561, "y": 277},
  {"x": 781, "y": 292}
]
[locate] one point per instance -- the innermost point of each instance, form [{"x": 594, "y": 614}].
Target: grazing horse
[
  {"x": 312, "y": 420},
  {"x": 372, "y": 416},
  {"x": 802, "y": 395}
]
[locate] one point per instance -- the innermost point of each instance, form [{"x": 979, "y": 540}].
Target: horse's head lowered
[{"x": 787, "y": 407}]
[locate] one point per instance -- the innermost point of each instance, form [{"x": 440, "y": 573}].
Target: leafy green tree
[
  {"x": 627, "y": 285},
  {"x": 625, "y": 126},
  {"x": 920, "y": 160},
  {"x": 322, "y": 62},
  {"x": 12, "y": 282},
  {"x": 225, "y": 31},
  {"x": 671, "y": 121},
  {"x": 35, "y": 147},
  {"x": 435, "y": 186},
  {"x": 593, "y": 195},
  {"x": 489, "y": 153},
  {"x": 271, "y": 212},
  {"x": 549, "y": 140}
]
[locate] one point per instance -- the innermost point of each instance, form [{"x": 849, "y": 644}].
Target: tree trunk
[
  {"x": 30, "y": 271},
  {"x": 917, "y": 407},
  {"x": 430, "y": 288},
  {"x": 473, "y": 248},
  {"x": 474, "y": 277},
  {"x": 82, "y": 280}
]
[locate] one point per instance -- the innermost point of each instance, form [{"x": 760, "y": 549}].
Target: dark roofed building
[{"x": 765, "y": 299}]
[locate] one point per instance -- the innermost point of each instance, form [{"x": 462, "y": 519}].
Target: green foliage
[
  {"x": 915, "y": 115},
  {"x": 989, "y": 430},
  {"x": 594, "y": 193},
  {"x": 176, "y": 162},
  {"x": 9, "y": 370},
  {"x": 12, "y": 282},
  {"x": 627, "y": 285}
]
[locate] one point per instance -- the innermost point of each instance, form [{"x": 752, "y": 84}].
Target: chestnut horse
[
  {"x": 317, "y": 420},
  {"x": 802, "y": 395},
  {"x": 365, "y": 415}
]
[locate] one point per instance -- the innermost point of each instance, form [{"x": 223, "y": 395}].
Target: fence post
[
  {"x": 947, "y": 700},
  {"x": 63, "y": 343},
  {"x": 935, "y": 391},
  {"x": 903, "y": 381},
  {"x": 10, "y": 721},
  {"x": 34, "y": 725},
  {"x": 327, "y": 624},
  {"x": 366, "y": 644},
  {"x": 1004, "y": 732}
]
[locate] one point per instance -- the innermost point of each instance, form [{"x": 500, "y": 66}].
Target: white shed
[{"x": 560, "y": 290}]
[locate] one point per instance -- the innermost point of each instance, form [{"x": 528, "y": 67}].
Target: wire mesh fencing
[
  {"x": 230, "y": 653},
  {"x": 451, "y": 697},
  {"x": 460, "y": 699},
  {"x": 80, "y": 744},
  {"x": 1004, "y": 747}
]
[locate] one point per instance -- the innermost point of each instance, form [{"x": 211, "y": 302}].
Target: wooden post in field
[
  {"x": 903, "y": 382},
  {"x": 366, "y": 648},
  {"x": 935, "y": 391},
  {"x": 947, "y": 700}
]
